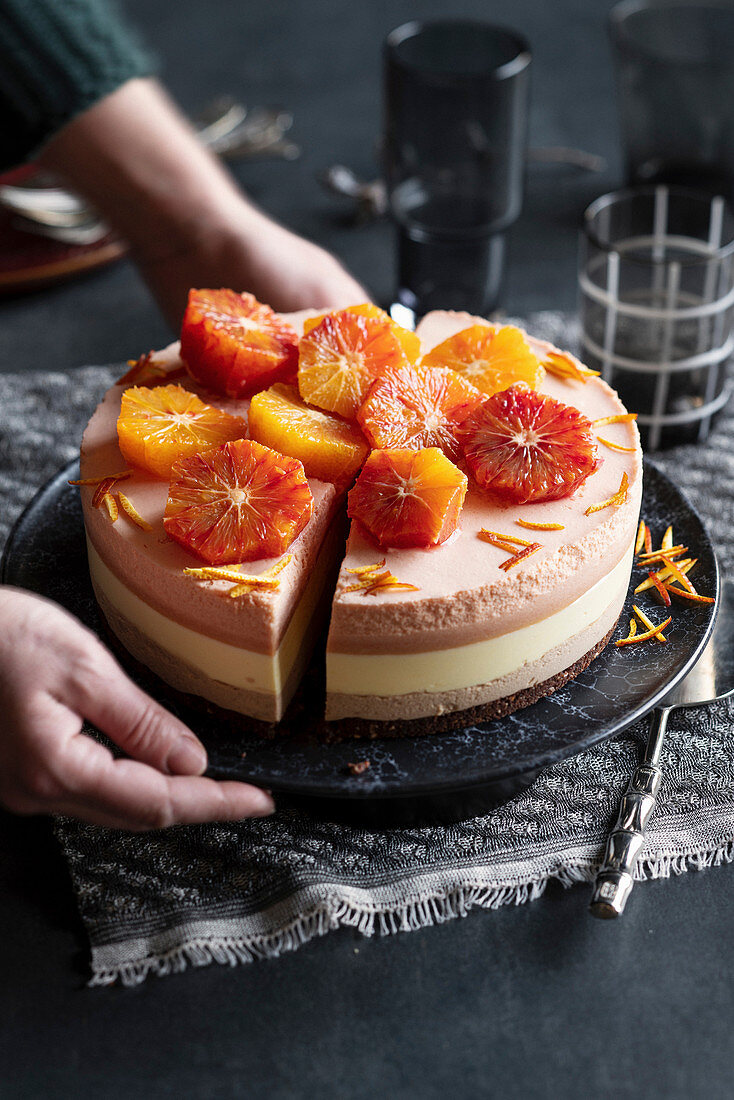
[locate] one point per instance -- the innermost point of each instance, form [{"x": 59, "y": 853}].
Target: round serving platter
[{"x": 446, "y": 776}]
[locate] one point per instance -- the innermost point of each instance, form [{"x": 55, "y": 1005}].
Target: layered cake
[{"x": 493, "y": 517}]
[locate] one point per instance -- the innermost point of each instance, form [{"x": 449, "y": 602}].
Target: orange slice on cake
[
  {"x": 418, "y": 407},
  {"x": 158, "y": 426},
  {"x": 342, "y": 355},
  {"x": 235, "y": 345},
  {"x": 522, "y": 447},
  {"x": 411, "y": 343},
  {"x": 408, "y": 498},
  {"x": 237, "y": 503},
  {"x": 492, "y": 359},
  {"x": 331, "y": 449}
]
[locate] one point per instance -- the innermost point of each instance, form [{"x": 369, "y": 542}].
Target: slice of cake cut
[{"x": 472, "y": 640}]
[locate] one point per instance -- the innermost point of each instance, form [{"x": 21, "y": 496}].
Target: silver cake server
[{"x": 710, "y": 680}]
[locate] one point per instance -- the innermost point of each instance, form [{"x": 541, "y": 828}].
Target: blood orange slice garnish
[
  {"x": 341, "y": 357},
  {"x": 411, "y": 343},
  {"x": 418, "y": 407},
  {"x": 235, "y": 345},
  {"x": 237, "y": 502},
  {"x": 330, "y": 448},
  {"x": 522, "y": 446},
  {"x": 492, "y": 359},
  {"x": 160, "y": 425},
  {"x": 408, "y": 498}
]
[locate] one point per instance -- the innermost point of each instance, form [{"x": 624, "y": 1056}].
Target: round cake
[{"x": 456, "y": 635}]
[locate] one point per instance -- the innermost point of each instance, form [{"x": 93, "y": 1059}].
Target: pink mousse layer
[
  {"x": 151, "y": 564},
  {"x": 463, "y": 595}
]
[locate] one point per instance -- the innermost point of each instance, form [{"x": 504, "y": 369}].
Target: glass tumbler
[
  {"x": 656, "y": 280},
  {"x": 455, "y": 131},
  {"x": 674, "y": 62}
]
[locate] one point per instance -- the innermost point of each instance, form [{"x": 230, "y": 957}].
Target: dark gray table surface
[{"x": 533, "y": 1001}]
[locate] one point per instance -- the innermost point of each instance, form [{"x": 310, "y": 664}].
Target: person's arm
[
  {"x": 53, "y": 674},
  {"x": 140, "y": 164}
]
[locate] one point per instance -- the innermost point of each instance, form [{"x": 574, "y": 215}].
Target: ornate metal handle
[{"x": 625, "y": 842}]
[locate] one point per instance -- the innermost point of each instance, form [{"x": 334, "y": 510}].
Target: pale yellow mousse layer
[
  {"x": 471, "y": 632},
  {"x": 375, "y": 686}
]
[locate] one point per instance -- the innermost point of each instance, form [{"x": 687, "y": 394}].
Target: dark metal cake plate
[{"x": 447, "y": 776}]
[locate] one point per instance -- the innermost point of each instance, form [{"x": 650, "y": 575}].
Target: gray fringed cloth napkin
[{"x": 232, "y": 893}]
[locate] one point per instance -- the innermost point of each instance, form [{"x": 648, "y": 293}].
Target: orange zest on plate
[
  {"x": 616, "y": 500},
  {"x": 491, "y": 359},
  {"x": 132, "y": 513},
  {"x": 659, "y": 637},
  {"x": 653, "y": 632},
  {"x": 684, "y": 565},
  {"x": 640, "y": 540}
]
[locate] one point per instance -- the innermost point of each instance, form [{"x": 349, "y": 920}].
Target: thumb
[{"x": 139, "y": 725}]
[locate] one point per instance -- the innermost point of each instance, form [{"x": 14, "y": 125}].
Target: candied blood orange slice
[
  {"x": 235, "y": 345},
  {"x": 408, "y": 498},
  {"x": 160, "y": 425},
  {"x": 418, "y": 407},
  {"x": 492, "y": 359},
  {"x": 330, "y": 448},
  {"x": 237, "y": 502},
  {"x": 341, "y": 357},
  {"x": 522, "y": 446},
  {"x": 411, "y": 343}
]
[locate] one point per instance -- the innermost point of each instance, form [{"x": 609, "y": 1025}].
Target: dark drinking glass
[
  {"x": 675, "y": 76},
  {"x": 456, "y": 99}
]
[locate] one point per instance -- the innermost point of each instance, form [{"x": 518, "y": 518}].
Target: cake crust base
[{"x": 364, "y": 729}]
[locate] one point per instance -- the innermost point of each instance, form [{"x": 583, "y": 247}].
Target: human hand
[
  {"x": 251, "y": 252},
  {"x": 140, "y": 164},
  {"x": 53, "y": 674}
]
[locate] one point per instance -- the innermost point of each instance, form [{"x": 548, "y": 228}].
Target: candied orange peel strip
[
  {"x": 123, "y": 474},
  {"x": 678, "y": 575},
  {"x": 488, "y": 535},
  {"x": 661, "y": 588},
  {"x": 695, "y": 597},
  {"x": 684, "y": 565},
  {"x": 373, "y": 582},
  {"x": 619, "y": 497},
  {"x": 621, "y": 418},
  {"x": 243, "y": 582},
  {"x": 132, "y": 513},
  {"x": 510, "y": 563},
  {"x": 648, "y": 540},
  {"x": 563, "y": 366},
  {"x": 615, "y": 446},
  {"x": 632, "y": 631},
  {"x": 540, "y": 526},
  {"x": 365, "y": 570},
  {"x": 111, "y": 505},
  {"x": 667, "y": 542},
  {"x": 146, "y": 369},
  {"x": 640, "y": 540},
  {"x": 655, "y": 632},
  {"x": 659, "y": 555}
]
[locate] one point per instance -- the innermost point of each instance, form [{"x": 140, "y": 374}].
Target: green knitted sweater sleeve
[{"x": 58, "y": 57}]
